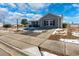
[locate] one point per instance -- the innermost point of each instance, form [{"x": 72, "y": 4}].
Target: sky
[{"x": 9, "y": 12}]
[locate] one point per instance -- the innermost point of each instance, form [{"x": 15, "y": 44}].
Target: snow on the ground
[
  {"x": 3, "y": 31},
  {"x": 60, "y": 31},
  {"x": 1, "y": 24},
  {"x": 54, "y": 32},
  {"x": 38, "y": 31},
  {"x": 76, "y": 41},
  {"x": 6, "y": 31},
  {"x": 34, "y": 50},
  {"x": 75, "y": 34},
  {"x": 20, "y": 29},
  {"x": 45, "y": 53}
]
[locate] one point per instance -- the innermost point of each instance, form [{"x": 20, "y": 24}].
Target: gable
[{"x": 50, "y": 16}]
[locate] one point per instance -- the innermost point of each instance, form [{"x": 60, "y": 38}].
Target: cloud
[
  {"x": 36, "y": 17},
  {"x": 13, "y": 16},
  {"x": 75, "y": 5},
  {"x": 18, "y": 14},
  {"x": 3, "y": 14},
  {"x": 31, "y": 16},
  {"x": 3, "y": 9},
  {"x": 26, "y": 7},
  {"x": 70, "y": 19},
  {"x": 38, "y": 5},
  {"x": 12, "y": 4},
  {"x": 2, "y": 4},
  {"x": 22, "y": 6}
]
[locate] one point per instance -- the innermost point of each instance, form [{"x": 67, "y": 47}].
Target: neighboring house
[
  {"x": 47, "y": 21},
  {"x": 74, "y": 25}
]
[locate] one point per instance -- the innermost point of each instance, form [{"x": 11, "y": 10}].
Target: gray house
[{"x": 47, "y": 21}]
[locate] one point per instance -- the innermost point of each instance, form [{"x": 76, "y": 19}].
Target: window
[
  {"x": 45, "y": 23},
  {"x": 53, "y": 22},
  {"x": 35, "y": 23}
]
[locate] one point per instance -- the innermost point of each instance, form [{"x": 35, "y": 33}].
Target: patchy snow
[
  {"x": 54, "y": 32},
  {"x": 4, "y": 31},
  {"x": 45, "y": 53},
  {"x": 38, "y": 31},
  {"x": 59, "y": 29},
  {"x": 34, "y": 50},
  {"x": 60, "y": 32},
  {"x": 20, "y": 29},
  {"x": 76, "y": 41},
  {"x": 1, "y": 24},
  {"x": 75, "y": 34}
]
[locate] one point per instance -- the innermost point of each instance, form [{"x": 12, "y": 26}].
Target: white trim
[{"x": 48, "y": 22}]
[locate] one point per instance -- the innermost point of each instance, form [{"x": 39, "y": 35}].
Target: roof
[
  {"x": 38, "y": 17},
  {"x": 52, "y": 15}
]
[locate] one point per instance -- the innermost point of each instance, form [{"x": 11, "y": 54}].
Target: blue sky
[{"x": 12, "y": 11}]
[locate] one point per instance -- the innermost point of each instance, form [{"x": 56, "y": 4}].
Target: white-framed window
[
  {"x": 52, "y": 22},
  {"x": 45, "y": 23},
  {"x": 49, "y": 22}
]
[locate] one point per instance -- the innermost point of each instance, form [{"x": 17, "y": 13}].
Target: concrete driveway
[{"x": 61, "y": 48}]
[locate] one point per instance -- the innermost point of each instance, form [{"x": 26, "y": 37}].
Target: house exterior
[{"x": 47, "y": 21}]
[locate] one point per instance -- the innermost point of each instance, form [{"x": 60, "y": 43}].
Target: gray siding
[{"x": 50, "y": 17}]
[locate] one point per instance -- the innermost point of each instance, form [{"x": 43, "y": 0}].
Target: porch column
[{"x": 48, "y": 22}]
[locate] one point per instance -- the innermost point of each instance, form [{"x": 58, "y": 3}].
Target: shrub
[
  {"x": 7, "y": 25},
  {"x": 24, "y": 22},
  {"x": 64, "y": 25}
]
